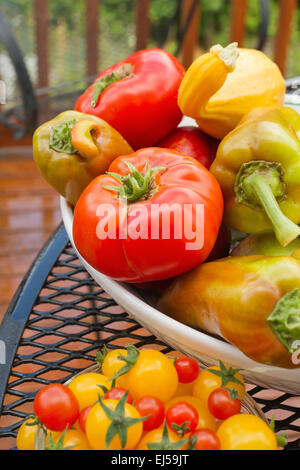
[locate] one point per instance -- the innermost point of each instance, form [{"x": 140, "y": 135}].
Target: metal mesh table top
[{"x": 59, "y": 319}]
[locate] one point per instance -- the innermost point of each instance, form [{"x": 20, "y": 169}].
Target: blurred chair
[{"x": 37, "y": 105}]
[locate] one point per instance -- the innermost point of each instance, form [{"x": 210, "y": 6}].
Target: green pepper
[
  {"x": 251, "y": 301},
  {"x": 258, "y": 168},
  {"x": 73, "y": 148}
]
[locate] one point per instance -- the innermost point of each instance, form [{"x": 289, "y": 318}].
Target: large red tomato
[{"x": 156, "y": 214}]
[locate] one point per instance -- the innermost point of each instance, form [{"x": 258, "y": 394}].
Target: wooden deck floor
[{"x": 29, "y": 212}]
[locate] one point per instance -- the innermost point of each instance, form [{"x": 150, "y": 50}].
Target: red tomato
[
  {"x": 205, "y": 439},
  {"x": 187, "y": 369},
  {"x": 190, "y": 141},
  {"x": 56, "y": 406},
  {"x": 137, "y": 97},
  {"x": 182, "y": 417},
  {"x": 116, "y": 393},
  {"x": 222, "y": 405},
  {"x": 152, "y": 406},
  {"x": 158, "y": 234},
  {"x": 83, "y": 416}
]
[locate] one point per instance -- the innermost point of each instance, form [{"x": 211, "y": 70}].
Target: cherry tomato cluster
[{"x": 144, "y": 400}]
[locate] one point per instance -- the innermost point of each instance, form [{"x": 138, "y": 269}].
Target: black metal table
[{"x": 57, "y": 321}]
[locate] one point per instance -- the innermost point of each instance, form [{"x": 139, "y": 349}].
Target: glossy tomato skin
[
  {"x": 207, "y": 382},
  {"x": 246, "y": 432},
  {"x": 87, "y": 387},
  {"x": 183, "y": 188},
  {"x": 155, "y": 436},
  {"x": 26, "y": 435},
  {"x": 205, "y": 418},
  {"x": 83, "y": 416},
  {"x": 182, "y": 414},
  {"x": 56, "y": 406},
  {"x": 74, "y": 439},
  {"x": 153, "y": 374},
  {"x": 112, "y": 364},
  {"x": 143, "y": 107},
  {"x": 221, "y": 405},
  {"x": 190, "y": 141},
  {"x": 97, "y": 424},
  {"x": 187, "y": 369},
  {"x": 152, "y": 407},
  {"x": 206, "y": 439}
]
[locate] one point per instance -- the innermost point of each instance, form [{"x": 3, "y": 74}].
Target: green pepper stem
[
  {"x": 284, "y": 320},
  {"x": 285, "y": 230}
]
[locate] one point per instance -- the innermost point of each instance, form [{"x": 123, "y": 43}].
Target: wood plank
[
  {"x": 92, "y": 35},
  {"x": 27, "y": 185},
  {"x": 238, "y": 21},
  {"x": 142, "y": 23},
  {"x": 191, "y": 36},
  {"x": 24, "y": 242},
  {"x": 12, "y": 223},
  {"x": 42, "y": 43},
  {"x": 29, "y": 212},
  {"x": 13, "y": 265},
  {"x": 284, "y": 29}
]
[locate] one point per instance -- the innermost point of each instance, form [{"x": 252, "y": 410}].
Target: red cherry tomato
[
  {"x": 56, "y": 406},
  {"x": 187, "y": 369},
  {"x": 182, "y": 417},
  {"x": 83, "y": 416},
  {"x": 116, "y": 393},
  {"x": 190, "y": 141},
  {"x": 223, "y": 403},
  {"x": 205, "y": 439},
  {"x": 152, "y": 406}
]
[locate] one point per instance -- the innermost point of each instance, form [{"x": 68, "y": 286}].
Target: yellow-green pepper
[
  {"x": 258, "y": 168},
  {"x": 74, "y": 148}
]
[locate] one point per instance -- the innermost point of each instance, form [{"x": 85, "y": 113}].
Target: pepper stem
[
  {"x": 124, "y": 71},
  {"x": 259, "y": 185},
  {"x": 284, "y": 320}
]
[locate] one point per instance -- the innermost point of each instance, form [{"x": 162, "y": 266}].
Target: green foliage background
[{"x": 117, "y": 32}]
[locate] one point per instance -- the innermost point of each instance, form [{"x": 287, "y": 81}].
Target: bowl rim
[{"x": 229, "y": 352}]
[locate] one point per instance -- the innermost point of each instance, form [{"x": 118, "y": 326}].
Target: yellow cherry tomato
[
  {"x": 112, "y": 364},
  {"x": 86, "y": 387},
  {"x": 207, "y": 382},
  {"x": 155, "y": 436},
  {"x": 206, "y": 420},
  {"x": 73, "y": 438},
  {"x": 26, "y": 435},
  {"x": 153, "y": 374},
  {"x": 246, "y": 432},
  {"x": 98, "y": 422}
]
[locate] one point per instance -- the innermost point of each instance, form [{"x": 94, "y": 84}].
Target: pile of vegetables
[
  {"x": 122, "y": 162},
  {"x": 144, "y": 400}
]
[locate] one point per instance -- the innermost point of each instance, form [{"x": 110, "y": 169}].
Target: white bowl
[{"x": 203, "y": 347}]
